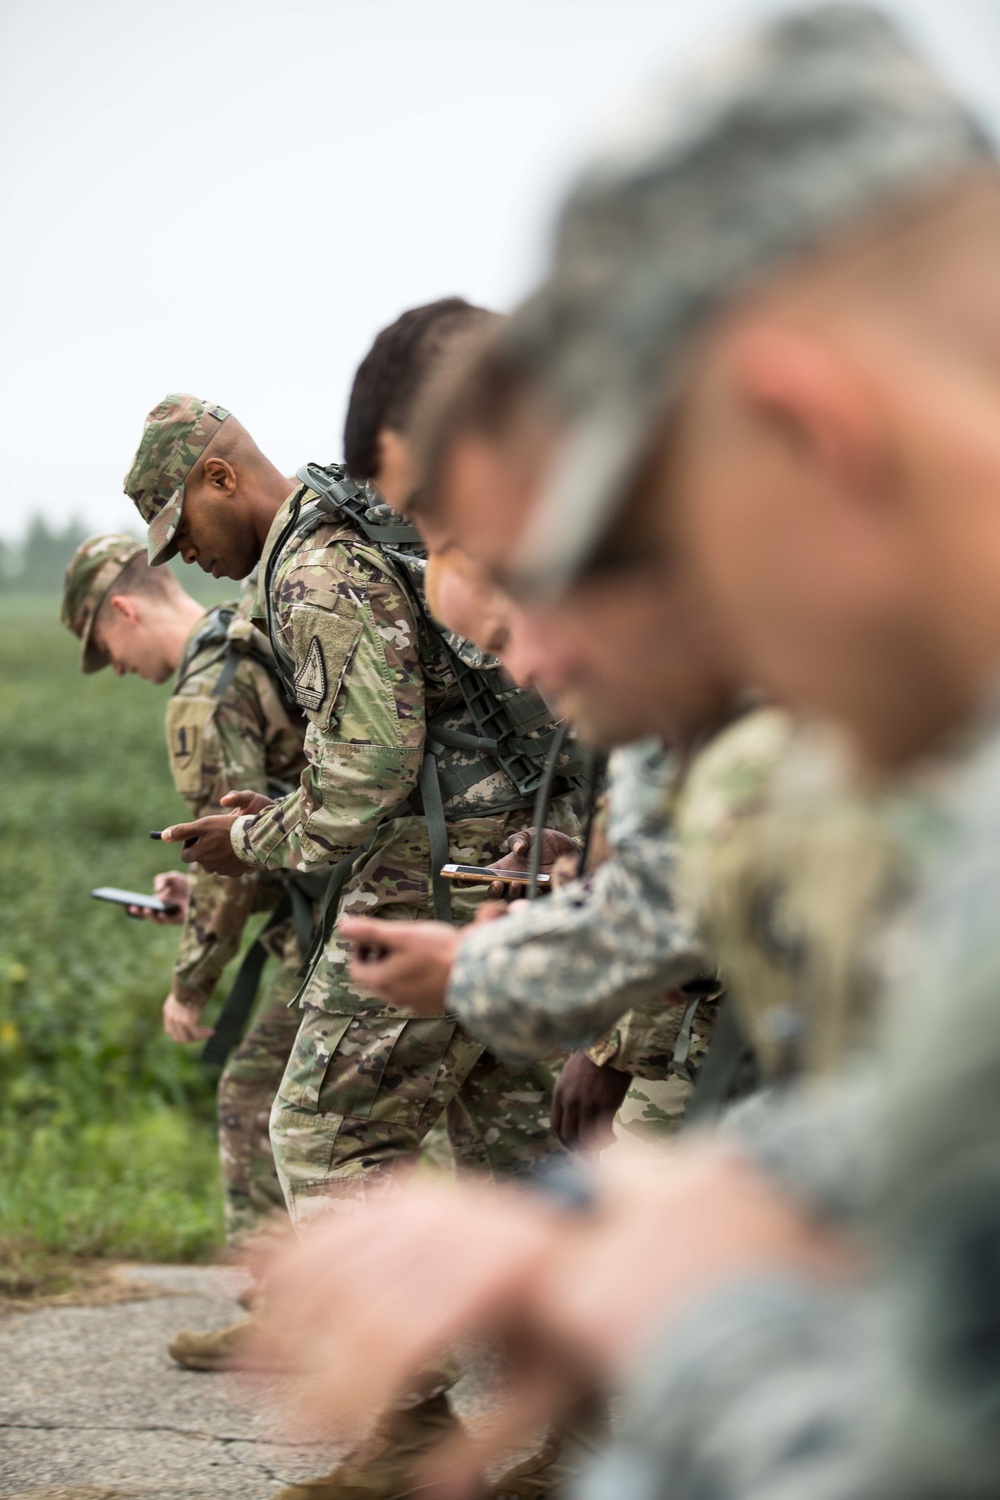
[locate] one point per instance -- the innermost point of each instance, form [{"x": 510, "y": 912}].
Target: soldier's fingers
[
  {"x": 238, "y": 799},
  {"x": 180, "y": 833},
  {"x": 370, "y": 932}
]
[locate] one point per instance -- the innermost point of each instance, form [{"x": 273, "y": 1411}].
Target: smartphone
[
  {"x": 134, "y": 898},
  {"x": 480, "y": 875}
]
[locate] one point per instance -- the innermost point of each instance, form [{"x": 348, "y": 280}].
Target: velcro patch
[
  {"x": 323, "y": 645},
  {"x": 187, "y": 721}
]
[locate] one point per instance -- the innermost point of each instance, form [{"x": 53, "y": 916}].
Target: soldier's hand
[
  {"x": 245, "y": 802},
  {"x": 182, "y": 1022},
  {"x": 555, "y": 846},
  {"x": 207, "y": 843},
  {"x": 404, "y": 963},
  {"x": 585, "y": 1101},
  {"x": 174, "y": 889}
]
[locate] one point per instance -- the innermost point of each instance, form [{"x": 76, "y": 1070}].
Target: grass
[{"x": 106, "y": 1140}]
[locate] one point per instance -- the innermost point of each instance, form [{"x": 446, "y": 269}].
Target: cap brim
[
  {"x": 162, "y": 536},
  {"x": 582, "y": 498}
]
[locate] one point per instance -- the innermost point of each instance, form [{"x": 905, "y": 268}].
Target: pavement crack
[{"x": 191, "y": 1432}]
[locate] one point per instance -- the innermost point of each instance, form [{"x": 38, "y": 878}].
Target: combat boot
[
  {"x": 222, "y": 1349},
  {"x": 566, "y": 1452},
  {"x": 383, "y": 1468}
]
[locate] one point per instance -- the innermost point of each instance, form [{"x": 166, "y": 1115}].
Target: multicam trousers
[
  {"x": 366, "y": 1083},
  {"x": 362, "y": 1091},
  {"x": 251, "y": 1189}
]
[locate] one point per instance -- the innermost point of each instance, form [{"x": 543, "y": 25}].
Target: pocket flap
[{"x": 323, "y": 644}]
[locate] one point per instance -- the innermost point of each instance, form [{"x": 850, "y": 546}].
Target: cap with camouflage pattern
[
  {"x": 817, "y": 121},
  {"x": 176, "y": 433},
  {"x": 92, "y": 570}
]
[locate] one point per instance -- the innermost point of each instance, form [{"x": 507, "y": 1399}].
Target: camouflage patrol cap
[
  {"x": 92, "y": 571},
  {"x": 814, "y": 124},
  {"x": 176, "y": 434}
]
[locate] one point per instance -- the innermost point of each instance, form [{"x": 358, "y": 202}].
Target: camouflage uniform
[
  {"x": 794, "y": 882},
  {"x": 608, "y": 947},
  {"x": 366, "y": 1082},
  {"x": 240, "y": 738}
]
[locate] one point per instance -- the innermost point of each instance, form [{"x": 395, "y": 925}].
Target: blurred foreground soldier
[
  {"x": 771, "y": 337},
  {"x": 602, "y": 949},
  {"x": 228, "y": 726},
  {"x": 563, "y": 957},
  {"x": 397, "y": 783}
]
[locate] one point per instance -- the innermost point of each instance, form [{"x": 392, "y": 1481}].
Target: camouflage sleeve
[
  {"x": 555, "y": 974},
  {"x": 216, "y": 745},
  {"x": 216, "y": 916},
  {"x": 643, "y": 1041},
  {"x": 349, "y": 627},
  {"x": 759, "y": 1393},
  {"x": 763, "y": 1389}
]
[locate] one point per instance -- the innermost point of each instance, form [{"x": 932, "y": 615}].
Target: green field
[{"x": 107, "y": 1145}]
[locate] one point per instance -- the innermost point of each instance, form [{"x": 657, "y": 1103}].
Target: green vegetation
[{"x": 106, "y": 1138}]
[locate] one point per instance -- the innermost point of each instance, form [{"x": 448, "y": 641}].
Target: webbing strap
[
  {"x": 327, "y": 912},
  {"x": 227, "y": 674},
  {"x": 541, "y": 809},
  {"x": 437, "y": 834},
  {"x": 339, "y": 492},
  {"x": 235, "y": 1012},
  {"x": 729, "y": 1071},
  {"x": 682, "y": 1047}
]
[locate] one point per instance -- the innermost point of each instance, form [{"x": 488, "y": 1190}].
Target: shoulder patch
[{"x": 310, "y": 679}]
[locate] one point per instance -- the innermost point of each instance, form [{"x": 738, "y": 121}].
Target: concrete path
[{"x": 93, "y": 1408}]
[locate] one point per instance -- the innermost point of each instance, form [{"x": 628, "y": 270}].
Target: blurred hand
[
  {"x": 207, "y": 843},
  {"x": 182, "y": 1022},
  {"x": 585, "y": 1101},
  {"x": 367, "y": 1300},
  {"x": 174, "y": 889},
  {"x": 404, "y": 963},
  {"x": 246, "y": 802},
  {"x": 555, "y": 846},
  {"x": 363, "y": 1302}
]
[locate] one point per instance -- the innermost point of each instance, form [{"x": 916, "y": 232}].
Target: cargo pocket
[
  {"x": 385, "y": 1068},
  {"x": 315, "y": 1046},
  {"x": 188, "y": 720},
  {"x": 323, "y": 644}
]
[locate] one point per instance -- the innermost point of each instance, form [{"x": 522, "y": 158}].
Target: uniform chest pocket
[
  {"x": 188, "y": 720},
  {"x": 324, "y": 644}
]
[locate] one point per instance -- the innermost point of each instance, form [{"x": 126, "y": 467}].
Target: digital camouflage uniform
[
  {"x": 234, "y": 732},
  {"x": 884, "y": 1383},
  {"x": 608, "y": 947},
  {"x": 366, "y": 1082}
]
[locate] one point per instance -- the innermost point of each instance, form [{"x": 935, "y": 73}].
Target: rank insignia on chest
[{"x": 310, "y": 679}]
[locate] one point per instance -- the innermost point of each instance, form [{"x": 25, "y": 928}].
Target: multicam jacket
[
  {"x": 369, "y": 676},
  {"x": 225, "y": 733}
]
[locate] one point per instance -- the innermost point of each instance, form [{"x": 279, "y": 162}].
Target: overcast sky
[{"x": 232, "y": 196}]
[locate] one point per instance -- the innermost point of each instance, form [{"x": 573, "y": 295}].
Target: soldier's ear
[
  {"x": 125, "y": 609},
  {"x": 220, "y": 475}
]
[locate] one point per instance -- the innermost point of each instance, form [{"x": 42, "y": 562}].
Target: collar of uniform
[{"x": 258, "y": 610}]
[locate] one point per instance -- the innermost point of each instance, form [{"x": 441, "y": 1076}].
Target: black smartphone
[
  {"x": 134, "y": 898},
  {"x": 480, "y": 875}
]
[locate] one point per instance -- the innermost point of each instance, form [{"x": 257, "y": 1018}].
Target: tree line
[{"x": 36, "y": 564}]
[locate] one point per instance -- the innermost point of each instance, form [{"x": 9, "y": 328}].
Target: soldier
[
  {"x": 227, "y": 726},
  {"x": 555, "y": 973},
  {"x": 341, "y": 604},
  {"x": 560, "y": 956}
]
